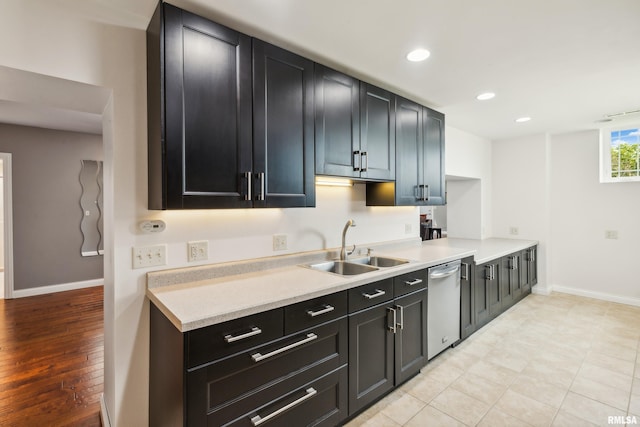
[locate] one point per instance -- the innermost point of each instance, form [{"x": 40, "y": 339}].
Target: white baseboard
[
  {"x": 104, "y": 415},
  {"x": 597, "y": 295},
  {"x": 541, "y": 290},
  {"x": 21, "y": 293}
]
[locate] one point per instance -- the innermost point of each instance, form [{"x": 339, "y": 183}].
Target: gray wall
[{"x": 46, "y": 205}]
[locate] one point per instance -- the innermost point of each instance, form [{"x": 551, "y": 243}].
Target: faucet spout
[{"x": 343, "y": 251}]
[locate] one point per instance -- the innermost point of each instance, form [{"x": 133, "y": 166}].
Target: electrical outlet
[
  {"x": 198, "y": 251},
  {"x": 149, "y": 256},
  {"x": 279, "y": 242},
  {"x": 408, "y": 229},
  {"x": 514, "y": 231},
  {"x": 611, "y": 234}
]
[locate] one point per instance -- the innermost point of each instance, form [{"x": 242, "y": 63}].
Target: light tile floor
[{"x": 558, "y": 360}]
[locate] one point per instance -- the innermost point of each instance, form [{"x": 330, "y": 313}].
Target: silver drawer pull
[
  {"x": 257, "y": 420},
  {"x": 258, "y": 357},
  {"x": 379, "y": 293},
  {"x": 413, "y": 282},
  {"x": 254, "y": 331},
  {"x": 327, "y": 309}
]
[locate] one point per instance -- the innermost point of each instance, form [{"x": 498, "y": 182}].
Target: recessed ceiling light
[
  {"x": 523, "y": 119},
  {"x": 418, "y": 55},
  {"x": 485, "y": 96}
]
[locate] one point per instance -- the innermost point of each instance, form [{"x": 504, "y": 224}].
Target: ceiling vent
[{"x": 620, "y": 115}]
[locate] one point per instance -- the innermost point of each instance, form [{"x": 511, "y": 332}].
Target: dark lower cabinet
[
  {"x": 485, "y": 284},
  {"x": 247, "y": 372},
  {"x": 531, "y": 259},
  {"x": 467, "y": 300},
  {"x": 371, "y": 355},
  {"x": 493, "y": 274},
  {"x": 387, "y": 345},
  {"x": 411, "y": 335},
  {"x": 497, "y": 285}
]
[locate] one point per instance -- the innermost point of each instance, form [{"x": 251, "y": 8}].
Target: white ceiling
[{"x": 564, "y": 63}]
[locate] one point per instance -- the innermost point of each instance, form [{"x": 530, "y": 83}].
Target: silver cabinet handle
[
  {"x": 533, "y": 254},
  {"x": 465, "y": 275},
  {"x": 413, "y": 282},
  {"x": 401, "y": 310},
  {"x": 253, "y": 332},
  {"x": 257, "y": 357},
  {"x": 516, "y": 262},
  {"x": 358, "y": 157},
  {"x": 395, "y": 319},
  {"x": 378, "y": 293},
  {"x": 260, "y": 195},
  {"x": 428, "y": 191},
  {"x": 257, "y": 420},
  {"x": 327, "y": 309},
  {"x": 364, "y": 161},
  {"x": 248, "y": 195}
]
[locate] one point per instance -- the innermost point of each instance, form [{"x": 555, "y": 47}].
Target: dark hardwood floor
[{"x": 52, "y": 359}]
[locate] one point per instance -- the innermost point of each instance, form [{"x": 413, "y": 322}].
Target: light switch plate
[
  {"x": 149, "y": 256},
  {"x": 198, "y": 251}
]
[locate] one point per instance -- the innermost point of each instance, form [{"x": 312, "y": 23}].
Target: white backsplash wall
[{"x": 248, "y": 233}]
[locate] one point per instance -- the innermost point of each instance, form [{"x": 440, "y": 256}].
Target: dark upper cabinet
[
  {"x": 337, "y": 123},
  {"x": 433, "y": 159},
  {"x": 283, "y": 140},
  {"x": 202, "y": 150},
  {"x": 354, "y": 127},
  {"x": 419, "y": 159},
  {"x": 377, "y": 133}
]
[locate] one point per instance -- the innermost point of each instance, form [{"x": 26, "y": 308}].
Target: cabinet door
[
  {"x": 283, "y": 147},
  {"x": 533, "y": 265},
  {"x": 433, "y": 157},
  {"x": 525, "y": 285},
  {"x": 467, "y": 300},
  {"x": 515, "y": 275},
  {"x": 411, "y": 335},
  {"x": 377, "y": 133},
  {"x": 337, "y": 123},
  {"x": 507, "y": 280},
  {"x": 408, "y": 151},
  {"x": 481, "y": 294},
  {"x": 494, "y": 284},
  {"x": 371, "y": 356},
  {"x": 207, "y": 113}
]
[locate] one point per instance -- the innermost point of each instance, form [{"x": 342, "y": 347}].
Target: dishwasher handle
[{"x": 444, "y": 272}]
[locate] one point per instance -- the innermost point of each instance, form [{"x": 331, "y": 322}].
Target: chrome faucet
[{"x": 343, "y": 252}]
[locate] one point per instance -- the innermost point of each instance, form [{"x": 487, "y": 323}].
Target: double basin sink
[{"x": 357, "y": 265}]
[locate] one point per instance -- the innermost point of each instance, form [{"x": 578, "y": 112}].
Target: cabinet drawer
[
  {"x": 323, "y": 347},
  {"x": 314, "y": 312},
  {"x": 409, "y": 282},
  {"x": 207, "y": 344},
  {"x": 370, "y": 294},
  {"x": 321, "y": 402}
]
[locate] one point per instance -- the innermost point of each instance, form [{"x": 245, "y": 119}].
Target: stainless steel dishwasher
[{"x": 443, "y": 307}]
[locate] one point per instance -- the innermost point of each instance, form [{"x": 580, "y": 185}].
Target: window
[{"x": 620, "y": 154}]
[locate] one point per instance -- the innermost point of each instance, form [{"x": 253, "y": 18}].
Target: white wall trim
[
  {"x": 8, "y": 225},
  {"x": 41, "y": 290},
  {"x": 597, "y": 295},
  {"x": 104, "y": 414},
  {"x": 541, "y": 290}
]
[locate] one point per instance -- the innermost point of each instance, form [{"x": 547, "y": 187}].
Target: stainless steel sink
[
  {"x": 378, "y": 261},
  {"x": 342, "y": 267}
]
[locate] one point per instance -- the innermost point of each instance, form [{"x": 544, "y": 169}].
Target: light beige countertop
[
  {"x": 487, "y": 249},
  {"x": 197, "y": 297}
]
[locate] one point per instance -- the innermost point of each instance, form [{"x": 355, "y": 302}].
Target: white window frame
[{"x": 605, "y": 154}]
